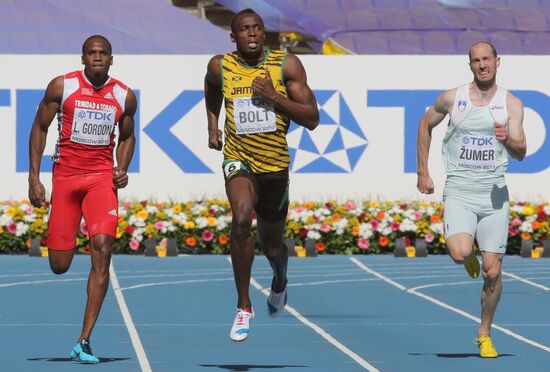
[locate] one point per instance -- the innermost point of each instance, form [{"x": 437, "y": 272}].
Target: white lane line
[
  {"x": 175, "y": 283},
  {"x": 363, "y": 363},
  {"x": 526, "y": 281},
  {"x": 448, "y": 307},
  {"x": 134, "y": 336},
  {"x": 42, "y": 282}
]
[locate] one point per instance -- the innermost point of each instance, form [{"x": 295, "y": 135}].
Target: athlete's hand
[
  {"x": 501, "y": 132},
  {"x": 215, "y": 139},
  {"x": 425, "y": 184},
  {"x": 264, "y": 86},
  {"x": 120, "y": 178},
  {"x": 37, "y": 194}
]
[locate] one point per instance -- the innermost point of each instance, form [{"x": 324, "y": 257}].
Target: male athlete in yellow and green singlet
[{"x": 263, "y": 90}]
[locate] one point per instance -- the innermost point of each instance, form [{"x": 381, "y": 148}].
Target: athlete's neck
[
  {"x": 483, "y": 92},
  {"x": 252, "y": 59},
  {"x": 97, "y": 82}
]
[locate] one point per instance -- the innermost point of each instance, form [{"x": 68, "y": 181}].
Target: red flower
[
  {"x": 303, "y": 232},
  {"x": 130, "y": 230}
]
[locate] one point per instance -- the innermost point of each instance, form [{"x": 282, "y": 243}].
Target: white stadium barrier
[{"x": 364, "y": 147}]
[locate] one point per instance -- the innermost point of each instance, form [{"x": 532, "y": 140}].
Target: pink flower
[
  {"x": 159, "y": 225},
  {"x": 207, "y": 235},
  {"x": 325, "y": 228},
  {"x": 374, "y": 225},
  {"x": 363, "y": 243},
  {"x": 134, "y": 244},
  {"x": 84, "y": 229},
  {"x": 418, "y": 215},
  {"x": 12, "y": 227},
  {"x": 429, "y": 237},
  {"x": 516, "y": 222},
  {"x": 394, "y": 226},
  {"x": 349, "y": 205},
  {"x": 29, "y": 210},
  {"x": 512, "y": 231}
]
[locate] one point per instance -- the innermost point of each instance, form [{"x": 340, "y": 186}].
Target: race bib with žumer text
[
  {"x": 92, "y": 127},
  {"x": 477, "y": 153},
  {"x": 254, "y": 115}
]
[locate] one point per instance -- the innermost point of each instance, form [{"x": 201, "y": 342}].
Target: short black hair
[
  {"x": 98, "y": 37},
  {"x": 493, "y": 49},
  {"x": 247, "y": 11}
]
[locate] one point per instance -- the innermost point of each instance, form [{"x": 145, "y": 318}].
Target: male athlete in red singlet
[{"x": 89, "y": 104}]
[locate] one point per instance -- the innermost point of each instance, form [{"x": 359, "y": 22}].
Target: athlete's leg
[
  {"x": 99, "y": 206},
  {"x": 64, "y": 220},
  {"x": 460, "y": 247},
  {"x": 98, "y": 280},
  {"x": 271, "y": 238},
  {"x": 492, "y": 289},
  {"x": 242, "y": 198}
]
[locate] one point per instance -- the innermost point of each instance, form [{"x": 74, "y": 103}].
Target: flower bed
[{"x": 203, "y": 226}]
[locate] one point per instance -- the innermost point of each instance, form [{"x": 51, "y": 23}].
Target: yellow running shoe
[
  {"x": 486, "y": 347},
  {"x": 472, "y": 265}
]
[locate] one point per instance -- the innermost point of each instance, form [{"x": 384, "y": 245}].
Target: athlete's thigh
[
  {"x": 65, "y": 211},
  {"x": 100, "y": 204},
  {"x": 241, "y": 187},
  {"x": 458, "y": 217},
  {"x": 492, "y": 230},
  {"x": 273, "y": 196}
]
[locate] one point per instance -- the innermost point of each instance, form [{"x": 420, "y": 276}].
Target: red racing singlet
[{"x": 86, "y": 122}]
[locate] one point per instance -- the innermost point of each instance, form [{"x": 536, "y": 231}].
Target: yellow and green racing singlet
[{"x": 254, "y": 132}]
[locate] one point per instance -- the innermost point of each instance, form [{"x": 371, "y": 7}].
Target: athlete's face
[
  {"x": 483, "y": 64},
  {"x": 97, "y": 59},
  {"x": 249, "y": 35}
]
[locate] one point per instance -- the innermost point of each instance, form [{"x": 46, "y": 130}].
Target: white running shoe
[
  {"x": 276, "y": 302},
  {"x": 241, "y": 324}
]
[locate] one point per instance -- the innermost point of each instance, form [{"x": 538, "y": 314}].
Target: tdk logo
[
  {"x": 96, "y": 115},
  {"x": 335, "y": 146},
  {"x": 483, "y": 141}
]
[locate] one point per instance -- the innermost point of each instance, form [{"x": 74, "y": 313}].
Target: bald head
[
  {"x": 480, "y": 43},
  {"x": 99, "y": 38}
]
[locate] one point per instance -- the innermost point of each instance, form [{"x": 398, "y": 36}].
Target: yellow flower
[
  {"x": 189, "y": 225},
  {"x": 441, "y": 239},
  {"x": 373, "y": 204},
  {"x": 142, "y": 214},
  {"x": 211, "y": 221},
  {"x": 527, "y": 210},
  {"x": 177, "y": 208}
]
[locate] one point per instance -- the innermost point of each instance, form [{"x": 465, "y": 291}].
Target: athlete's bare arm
[
  {"x": 126, "y": 141},
  {"x": 513, "y": 137},
  {"x": 301, "y": 105},
  {"x": 213, "y": 96},
  {"x": 47, "y": 109},
  {"x": 430, "y": 120}
]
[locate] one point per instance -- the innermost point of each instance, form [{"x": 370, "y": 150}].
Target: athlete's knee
[
  {"x": 457, "y": 256},
  {"x": 241, "y": 225},
  {"x": 59, "y": 268},
  {"x": 273, "y": 250},
  {"x": 491, "y": 276}
]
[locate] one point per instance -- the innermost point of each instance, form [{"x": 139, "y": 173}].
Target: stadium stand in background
[
  {"x": 132, "y": 26},
  {"x": 298, "y": 26},
  {"x": 400, "y": 26}
]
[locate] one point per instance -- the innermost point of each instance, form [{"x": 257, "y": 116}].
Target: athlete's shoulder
[
  {"x": 115, "y": 81},
  {"x": 512, "y": 101},
  {"x": 73, "y": 74}
]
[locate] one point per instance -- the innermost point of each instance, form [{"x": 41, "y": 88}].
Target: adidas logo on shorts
[{"x": 113, "y": 212}]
